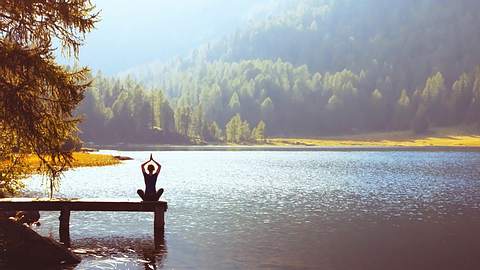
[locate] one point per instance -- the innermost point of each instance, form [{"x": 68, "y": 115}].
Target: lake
[{"x": 283, "y": 210}]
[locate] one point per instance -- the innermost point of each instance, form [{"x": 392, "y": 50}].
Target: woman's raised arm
[
  {"x": 158, "y": 166},
  {"x": 143, "y": 166}
]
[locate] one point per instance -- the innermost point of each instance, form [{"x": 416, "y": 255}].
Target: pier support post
[
  {"x": 159, "y": 226},
  {"x": 65, "y": 226}
]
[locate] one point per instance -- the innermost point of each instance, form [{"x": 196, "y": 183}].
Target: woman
[{"x": 150, "y": 178}]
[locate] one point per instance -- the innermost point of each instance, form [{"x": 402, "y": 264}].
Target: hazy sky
[{"x": 132, "y": 33}]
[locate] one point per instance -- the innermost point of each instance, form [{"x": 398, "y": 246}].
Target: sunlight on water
[{"x": 262, "y": 209}]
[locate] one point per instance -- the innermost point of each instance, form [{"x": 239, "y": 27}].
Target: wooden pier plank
[
  {"x": 65, "y": 206},
  {"x": 81, "y": 205}
]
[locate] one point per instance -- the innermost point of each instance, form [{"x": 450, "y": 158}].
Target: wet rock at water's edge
[
  {"x": 24, "y": 246},
  {"x": 122, "y": 158}
]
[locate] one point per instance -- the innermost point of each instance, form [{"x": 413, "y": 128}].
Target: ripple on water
[{"x": 236, "y": 210}]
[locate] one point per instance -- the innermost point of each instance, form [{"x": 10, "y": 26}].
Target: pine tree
[
  {"x": 258, "y": 133},
  {"x": 233, "y": 129},
  {"x": 403, "y": 112},
  {"x": 36, "y": 107},
  {"x": 183, "y": 120},
  {"x": 234, "y": 103},
  {"x": 245, "y": 134},
  {"x": 215, "y": 132}
]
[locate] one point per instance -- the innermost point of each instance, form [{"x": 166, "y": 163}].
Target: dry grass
[
  {"x": 439, "y": 137},
  {"x": 93, "y": 160},
  {"x": 82, "y": 159}
]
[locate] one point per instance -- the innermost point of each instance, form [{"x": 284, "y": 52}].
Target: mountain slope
[{"x": 327, "y": 67}]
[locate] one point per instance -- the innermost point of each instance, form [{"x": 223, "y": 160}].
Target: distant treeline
[
  {"x": 123, "y": 111},
  {"x": 320, "y": 68},
  {"x": 243, "y": 102}
]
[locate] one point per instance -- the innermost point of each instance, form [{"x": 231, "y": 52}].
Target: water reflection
[{"x": 121, "y": 253}]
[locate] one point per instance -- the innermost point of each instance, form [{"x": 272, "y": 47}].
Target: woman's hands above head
[{"x": 158, "y": 166}]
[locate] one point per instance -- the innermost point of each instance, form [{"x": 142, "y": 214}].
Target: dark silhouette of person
[{"x": 150, "y": 178}]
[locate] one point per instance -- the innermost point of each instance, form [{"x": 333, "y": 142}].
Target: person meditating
[{"x": 150, "y": 194}]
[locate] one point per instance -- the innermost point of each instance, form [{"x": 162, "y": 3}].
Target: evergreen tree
[
  {"x": 378, "y": 108},
  {"x": 245, "y": 133},
  {"x": 233, "y": 129},
  {"x": 167, "y": 117},
  {"x": 432, "y": 96},
  {"x": 267, "y": 110},
  {"x": 403, "y": 112},
  {"x": 461, "y": 98},
  {"x": 234, "y": 103},
  {"x": 420, "y": 122},
  {"x": 183, "y": 120},
  {"x": 258, "y": 133},
  {"x": 215, "y": 132},
  {"x": 38, "y": 96}
]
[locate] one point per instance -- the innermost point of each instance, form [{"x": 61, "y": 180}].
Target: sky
[{"x": 132, "y": 33}]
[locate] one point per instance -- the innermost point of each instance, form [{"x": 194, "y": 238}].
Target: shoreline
[
  {"x": 80, "y": 159},
  {"x": 149, "y": 147},
  {"x": 464, "y": 141},
  {"x": 437, "y": 140}
]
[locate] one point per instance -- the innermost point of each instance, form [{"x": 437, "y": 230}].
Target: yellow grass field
[
  {"x": 93, "y": 160},
  {"x": 438, "y": 138},
  {"x": 82, "y": 159}
]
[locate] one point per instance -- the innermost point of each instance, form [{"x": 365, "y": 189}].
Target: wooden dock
[{"x": 66, "y": 206}]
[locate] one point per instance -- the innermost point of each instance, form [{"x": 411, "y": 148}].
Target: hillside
[{"x": 317, "y": 68}]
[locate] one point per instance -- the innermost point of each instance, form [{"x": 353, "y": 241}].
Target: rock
[
  {"x": 87, "y": 150},
  {"x": 25, "y": 246},
  {"x": 7, "y": 214},
  {"x": 122, "y": 158},
  {"x": 28, "y": 217}
]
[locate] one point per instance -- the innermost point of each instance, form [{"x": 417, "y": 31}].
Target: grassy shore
[
  {"x": 435, "y": 138},
  {"x": 82, "y": 159}
]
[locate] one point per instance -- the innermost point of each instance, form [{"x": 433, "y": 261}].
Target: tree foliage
[{"x": 38, "y": 96}]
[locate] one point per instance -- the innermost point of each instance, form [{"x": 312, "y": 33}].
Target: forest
[{"x": 315, "y": 68}]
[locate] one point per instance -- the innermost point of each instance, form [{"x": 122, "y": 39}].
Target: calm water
[{"x": 284, "y": 210}]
